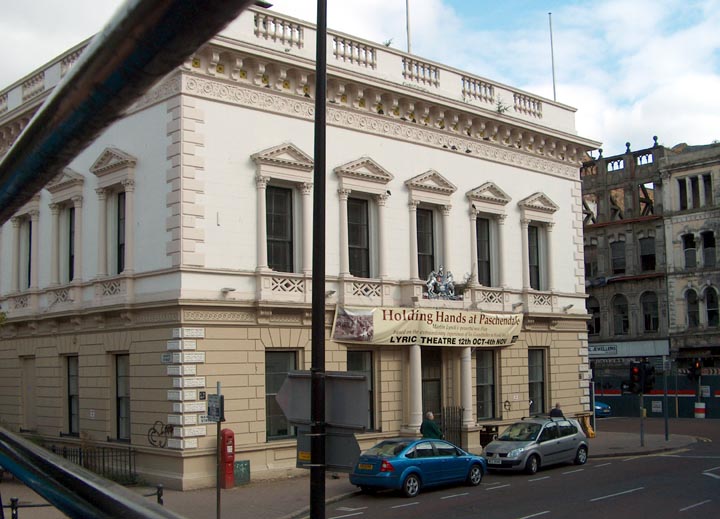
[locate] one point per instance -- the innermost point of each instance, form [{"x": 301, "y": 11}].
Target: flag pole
[
  {"x": 407, "y": 24},
  {"x": 552, "y": 56}
]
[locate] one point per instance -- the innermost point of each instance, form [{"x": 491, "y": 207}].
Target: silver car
[{"x": 537, "y": 442}]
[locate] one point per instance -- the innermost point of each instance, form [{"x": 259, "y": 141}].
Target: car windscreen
[
  {"x": 386, "y": 449},
  {"x": 521, "y": 431}
]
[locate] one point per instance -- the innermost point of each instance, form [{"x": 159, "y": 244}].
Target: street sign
[
  {"x": 343, "y": 394},
  {"x": 341, "y": 449},
  {"x": 216, "y": 408}
]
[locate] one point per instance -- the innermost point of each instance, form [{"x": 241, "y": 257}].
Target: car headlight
[{"x": 516, "y": 452}]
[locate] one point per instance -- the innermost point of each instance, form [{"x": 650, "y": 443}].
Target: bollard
[
  {"x": 699, "y": 409},
  {"x": 160, "y": 494},
  {"x": 14, "y": 508}
]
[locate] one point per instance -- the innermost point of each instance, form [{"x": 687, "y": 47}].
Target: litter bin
[{"x": 487, "y": 434}]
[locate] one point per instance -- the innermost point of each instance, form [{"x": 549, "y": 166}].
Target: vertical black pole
[
  {"x": 218, "y": 506},
  {"x": 665, "y": 398},
  {"x": 317, "y": 387}
]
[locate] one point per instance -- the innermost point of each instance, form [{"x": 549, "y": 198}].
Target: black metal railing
[
  {"x": 117, "y": 464},
  {"x": 452, "y": 424}
]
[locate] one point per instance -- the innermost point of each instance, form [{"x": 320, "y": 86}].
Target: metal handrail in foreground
[
  {"x": 145, "y": 41},
  {"x": 75, "y": 491}
]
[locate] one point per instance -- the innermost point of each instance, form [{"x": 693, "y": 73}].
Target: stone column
[
  {"x": 102, "y": 233},
  {"x": 34, "y": 219},
  {"x": 524, "y": 223},
  {"x": 415, "y": 396},
  {"x": 466, "y": 386},
  {"x": 502, "y": 269},
  {"x": 15, "y": 281},
  {"x": 446, "y": 237},
  {"x": 344, "y": 253},
  {"x": 261, "y": 222},
  {"x": 549, "y": 257},
  {"x": 701, "y": 191},
  {"x": 77, "y": 268},
  {"x": 473, "y": 246},
  {"x": 307, "y": 226},
  {"x": 382, "y": 246},
  {"x": 412, "y": 206},
  {"x": 129, "y": 186},
  {"x": 55, "y": 245}
]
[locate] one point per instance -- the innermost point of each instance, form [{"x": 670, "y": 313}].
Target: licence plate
[
  {"x": 494, "y": 461},
  {"x": 365, "y": 466}
]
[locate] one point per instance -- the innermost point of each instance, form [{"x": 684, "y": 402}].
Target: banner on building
[{"x": 425, "y": 326}]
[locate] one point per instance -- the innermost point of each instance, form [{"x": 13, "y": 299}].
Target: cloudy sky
[{"x": 632, "y": 68}]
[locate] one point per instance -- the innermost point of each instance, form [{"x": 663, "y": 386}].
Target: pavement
[{"x": 288, "y": 497}]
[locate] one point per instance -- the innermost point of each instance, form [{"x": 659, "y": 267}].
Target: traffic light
[
  {"x": 648, "y": 377},
  {"x": 635, "y": 378},
  {"x": 695, "y": 369}
]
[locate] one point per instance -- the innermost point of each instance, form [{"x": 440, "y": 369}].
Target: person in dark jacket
[
  {"x": 556, "y": 412},
  {"x": 429, "y": 429}
]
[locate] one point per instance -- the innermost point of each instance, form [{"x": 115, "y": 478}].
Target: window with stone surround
[
  {"x": 591, "y": 261},
  {"x": 711, "y": 307},
  {"x": 277, "y": 366},
  {"x": 649, "y": 306},
  {"x": 73, "y": 395},
  {"x": 689, "y": 250},
  {"x": 430, "y": 207},
  {"x": 537, "y": 220},
  {"x": 485, "y": 383},
  {"x": 617, "y": 255},
  {"x": 621, "y": 315},
  {"x": 26, "y": 252},
  {"x": 66, "y": 191},
  {"x": 647, "y": 253},
  {"x": 122, "y": 396},
  {"x": 708, "y": 245},
  {"x": 536, "y": 380},
  {"x": 487, "y": 212},
  {"x": 593, "y": 309},
  {"x": 362, "y": 195},
  {"x": 693, "y": 309},
  {"x": 284, "y": 209}
]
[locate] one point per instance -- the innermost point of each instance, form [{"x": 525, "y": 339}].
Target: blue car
[
  {"x": 602, "y": 409},
  {"x": 409, "y": 465}
]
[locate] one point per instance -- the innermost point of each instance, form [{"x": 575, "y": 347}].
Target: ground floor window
[
  {"x": 536, "y": 380},
  {"x": 277, "y": 366},
  {"x": 73, "y": 396},
  {"x": 362, "y": 362},
  {"x": 485, "y": 383},
  {"x": 122, "y": 396},
  {"x": 431, "y": 359}
]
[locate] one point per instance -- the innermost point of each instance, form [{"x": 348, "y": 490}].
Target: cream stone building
[{"x": 175, "y": 251}]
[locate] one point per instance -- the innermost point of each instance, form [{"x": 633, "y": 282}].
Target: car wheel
[
  {"x": 532, "y": 465},
  {"x": 581, "y": 456},
  {"x": 475, "y": 475},
  {"x": 411, "y": 486}
]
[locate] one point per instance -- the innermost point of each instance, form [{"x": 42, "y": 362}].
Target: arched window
[
  {"x": 593, "y": 308},
  {"x": 649, "y": 304},
  {"x": 693, "y": 313},
  {"x": 711, "y": 306},
  {"x": 621, "y": 318}
]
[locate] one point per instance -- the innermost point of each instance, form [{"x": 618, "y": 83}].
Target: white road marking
[
  {"x": 572, "y": 471},
  {"x": 602, "y": 465},
  {"x": 346, "y": 515},
  {"x": 711, "y": 475},
  {"x": 454, "y": 495},
  {"x": 696, "y": 504},
  {"x": 348, "y": 509},
  {"x": 710, "y": 470},
  {"x": 539, "y": 479},
  {"x": 495, "y": 488},
  {"x": 535, "y": 515},
  {"x": 406, "y": 504},
  {"x": 617, "y": 494}
]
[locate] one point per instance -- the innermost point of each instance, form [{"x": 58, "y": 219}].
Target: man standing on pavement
[
  {"x": 429, "y": 429},
  {"x": 556, "y": 412}
]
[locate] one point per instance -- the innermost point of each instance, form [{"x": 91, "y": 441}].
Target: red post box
[{"x": 227, "y": 458}]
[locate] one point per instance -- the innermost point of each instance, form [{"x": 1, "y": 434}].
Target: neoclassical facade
[{"x": 175, "y": 252}]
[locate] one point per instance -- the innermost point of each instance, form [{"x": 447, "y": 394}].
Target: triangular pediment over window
[
  {"x": 67, "y": 179},
  {"x": 489, "y": 193},
  {"x": 539, "y": 202},
  {"x": 111, "y": 160},
  {"x": 431, "y": 181},
  {"x": 285, "y": 155},
  {"x": 364, "y": 169}
]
